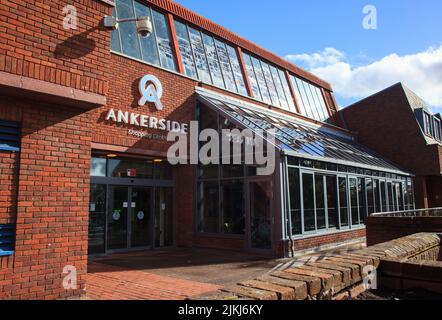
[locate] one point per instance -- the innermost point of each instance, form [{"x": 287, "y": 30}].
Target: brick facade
[
  {"x": 44, "y": 188},
  {"x": 52, "y": 204},
  {"x": 386, "y": 123},
  {"x": 34, "y": 43}
]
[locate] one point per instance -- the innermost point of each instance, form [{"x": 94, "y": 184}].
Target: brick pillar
[
  {"x": 53, "y": 193},
  {"x": 184, "y": 205}
]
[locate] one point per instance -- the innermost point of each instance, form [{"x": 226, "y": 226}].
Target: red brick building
[
  {"x": 399, "y": 125},
  {"x": 83, "y": 165}
]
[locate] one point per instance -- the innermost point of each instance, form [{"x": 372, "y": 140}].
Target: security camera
[
  {"x": 144, "y": 24},
  {"x": 144, "y": 27}
]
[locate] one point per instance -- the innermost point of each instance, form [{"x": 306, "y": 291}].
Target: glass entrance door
[
  {"x": 117, "y": 218},
  {"x": 129, "y": 220},
  {"x": 260, "y": 217},
  {"x": 141, "y": 217}
]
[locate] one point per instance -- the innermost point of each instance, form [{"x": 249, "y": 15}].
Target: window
[
  {"x": 354, "y": 205},
  {"x": 390, "y": 197},
  {"x": 185, "y": 49},
  {"x": 98, "y": 167},
  {"x": 384, "y": 197},
  {"x": 331, "y": 201},
  {"x": 437, "y": 129},
  {"x": 233, "y": 207},
  {"x": 308, "y": 202},
  {"x": 156, "y": 49},
  {"x": 362, "y": 200},
  {"x": 427, "y": 120},
  {"x": 295, "y": 201},
  {"x": 148, "y": 45},
  {"x": 200, "y": 55},
  {"x": 269, "y": 83},
  {"x": 212, "y": 57},
  {"x": 343, "y": 206},
  {"x": 279, "y": 88},
  {"x": 261, "y": 80},
  {"x": 320, "y": 202},
  {"x": 209, "y": 60},
  {"x": 377, "y": 196},
  {"x": 9, "y": 135},
  {"x": 226, "y": 68},
  {"x": 221, "y": 201},
  {"x": 237, "y": 72},
  {"x": 7, "y": 239},
  {"x": 252, "y": 76},
  {"x": 208, "y": 207},
  {"x": 310, "y": 99},
  {"x": 410, "y": 194},
  {"x": 122, "y": 167},
  {"x": 369, "y": 189}
]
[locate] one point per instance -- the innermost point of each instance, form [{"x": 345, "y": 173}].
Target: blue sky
[{"x": 327, "y": 38}]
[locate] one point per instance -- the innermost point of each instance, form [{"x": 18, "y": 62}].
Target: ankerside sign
[{"x": 151, "y": 90}]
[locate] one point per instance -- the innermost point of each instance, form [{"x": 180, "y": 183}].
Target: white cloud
[{"x": 421, "y": 72}]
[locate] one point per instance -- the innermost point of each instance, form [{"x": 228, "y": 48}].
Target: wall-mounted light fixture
[{"x": 144, "y": 24}]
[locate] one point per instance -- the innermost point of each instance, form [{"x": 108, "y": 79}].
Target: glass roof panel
[{"x": 298, "y": 137}]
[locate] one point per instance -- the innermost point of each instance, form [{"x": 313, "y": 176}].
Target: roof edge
[{"x": 222, "y": 32}]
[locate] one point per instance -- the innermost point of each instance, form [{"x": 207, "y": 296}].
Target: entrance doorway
[
  {"x": 124, "y": 217},
  {"x": 131, "y": 204},
  {"x": 129, "y": 217}
]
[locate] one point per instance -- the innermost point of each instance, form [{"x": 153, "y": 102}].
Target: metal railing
[{"x": 430, "y": 212}]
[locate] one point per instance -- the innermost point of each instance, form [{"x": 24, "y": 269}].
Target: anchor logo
[{"x": 151, "y": 90}]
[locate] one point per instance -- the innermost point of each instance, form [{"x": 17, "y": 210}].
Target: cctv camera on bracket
[{"x": 143, "y": 24}]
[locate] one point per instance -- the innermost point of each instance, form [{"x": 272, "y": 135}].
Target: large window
[
  {"x": 325, "y": 196},
  {"x": 209, "y": 60},
  {"x": 310, "y": 99},
  {"x": 269, "y": 84},
  {"x": 221, "y": 199},
  {"x": 155, "y": 49}
]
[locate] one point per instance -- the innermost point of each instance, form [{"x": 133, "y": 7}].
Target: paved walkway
[
  {"x": 105, "y": 282},
  {"x": 175, "y": 274}
]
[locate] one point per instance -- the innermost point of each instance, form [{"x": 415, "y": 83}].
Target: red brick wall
[
  {"x": 386, "y": 124},
  {"x": 312, "y": 242},
  {"x": 34, "y": 43},
  {"x": 383, "y": 229},
  {"x": 434, "y": 189},
  {"x": 178, "y": 100},
  {"x": 52, "y": 210},
  {"x": 8, "y": 186}
]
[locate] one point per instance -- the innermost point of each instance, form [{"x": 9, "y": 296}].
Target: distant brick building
[
  {"x": 399, "y": 125},
  {"x": 83, "y": 166}
]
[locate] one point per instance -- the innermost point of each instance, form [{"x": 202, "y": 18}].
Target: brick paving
[{"x": 106, "y": 282}]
